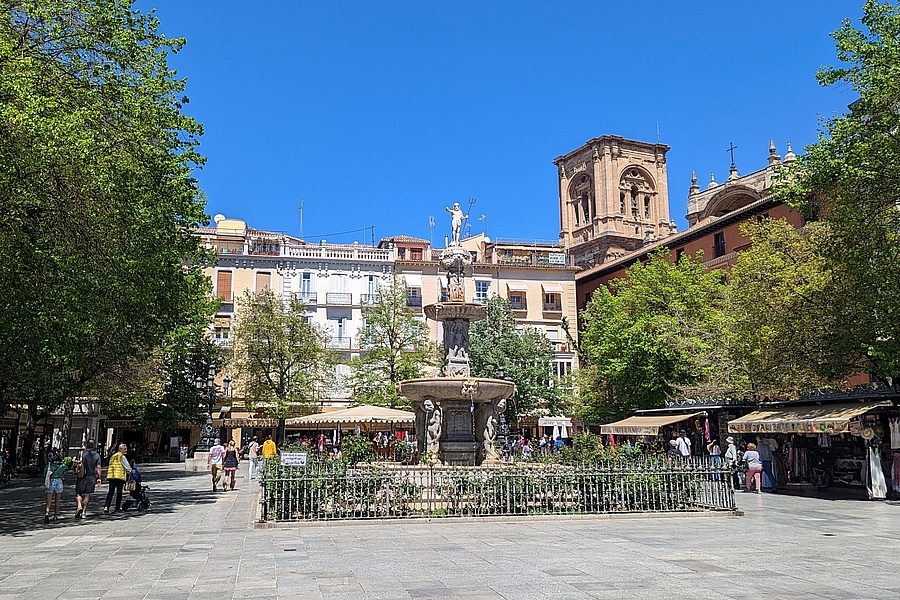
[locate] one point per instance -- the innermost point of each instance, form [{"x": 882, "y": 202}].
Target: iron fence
[{"x": 331, "y": 490}]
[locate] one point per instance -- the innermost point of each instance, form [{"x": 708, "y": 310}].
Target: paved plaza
[{"x": 196, "y": 544}]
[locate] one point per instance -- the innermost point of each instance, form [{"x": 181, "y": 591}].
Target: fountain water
[{"x": 457, "y": 414}]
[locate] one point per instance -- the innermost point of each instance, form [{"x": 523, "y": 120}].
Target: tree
[
  {"x": 792, "y": 312},
  {"x": 652, "y": 336},
  {"x": 96, "y": 162},
  {"x": 850, "y": 178},
  {"x": 281, "y": 363},
  {"x": 524, "y": 354},
  {"x": 396, "y": 348}
]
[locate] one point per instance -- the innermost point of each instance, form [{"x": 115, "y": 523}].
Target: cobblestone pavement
[{"x": 194, "y": 543}]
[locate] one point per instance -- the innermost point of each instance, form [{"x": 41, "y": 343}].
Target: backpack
[{"x": 78, "y": 465}]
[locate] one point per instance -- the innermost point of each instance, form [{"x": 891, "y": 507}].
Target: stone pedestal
[{"x": 198, "y": 463}]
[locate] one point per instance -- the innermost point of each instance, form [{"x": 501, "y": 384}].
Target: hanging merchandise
[
  {"x": 878, "y": 487},
  {"x": 895, "y": 434},
  {"x": 895, "y": 478}
]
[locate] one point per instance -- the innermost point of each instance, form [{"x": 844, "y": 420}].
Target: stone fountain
[{"x": 457, "y": 414}]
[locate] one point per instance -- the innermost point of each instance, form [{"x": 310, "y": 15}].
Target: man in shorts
[
  {"x": 253, "y": 455},
  {"x": 85, "y": 485},
  {"x": 214, "y": 462}
]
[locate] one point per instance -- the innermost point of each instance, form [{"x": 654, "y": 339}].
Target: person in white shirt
[
  {"x": 253, "y": 455},
  {"x": 214, "y": 462},
  {"x": 683, "y": 444}
]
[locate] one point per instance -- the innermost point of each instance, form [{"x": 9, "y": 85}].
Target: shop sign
[{"x": 294, "y": 459}]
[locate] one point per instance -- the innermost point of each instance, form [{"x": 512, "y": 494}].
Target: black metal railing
[{"x": 325, "y": 490}]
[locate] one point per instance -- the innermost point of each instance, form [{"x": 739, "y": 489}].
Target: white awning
[
  {"x": 517, "y": 286},
  {"x": 645, "y": 425},
  {"x": 413, "y": 280},
  {"x": 552, "y": 287}
]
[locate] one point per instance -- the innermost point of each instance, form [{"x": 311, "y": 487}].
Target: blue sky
[{"x": 380, "y": 114}]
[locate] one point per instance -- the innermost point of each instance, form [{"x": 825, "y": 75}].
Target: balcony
[
  {"x": 339, "y": 298},
  {"x": 221, "y": 342},
  {"x": 552, "y": 306},
  {"x": 339, "y": 343},
  {"x": 414, "y": 301},
  {"x": 305, "y": 297},
  {"x": 368, "y": 299}
]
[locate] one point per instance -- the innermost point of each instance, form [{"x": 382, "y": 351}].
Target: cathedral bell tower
[{"x": 613, "y": 198}]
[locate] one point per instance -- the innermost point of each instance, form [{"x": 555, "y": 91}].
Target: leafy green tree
[
  {"x": 396, "y": 348},
  {"x": 281, "y": 364},
  {"x": 651, "y": 336},
  {"x": 524, "y": 354},
  {"x": 792, "y": 325},
  {"x": 850, "y": 178},
  {"x": 99, "y": 197}
]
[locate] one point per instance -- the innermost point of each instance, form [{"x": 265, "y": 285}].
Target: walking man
[
  {"x": 253, "y": 455},
  {"x": 214, "y": 462},
  {"x": 86, "y": 484},
  {"x": 683, "y": 444}
]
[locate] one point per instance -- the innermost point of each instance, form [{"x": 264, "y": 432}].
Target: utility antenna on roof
[{"x": 300, "y": 208}]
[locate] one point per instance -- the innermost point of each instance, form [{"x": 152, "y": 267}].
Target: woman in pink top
[{"x": 754, "y": 467}]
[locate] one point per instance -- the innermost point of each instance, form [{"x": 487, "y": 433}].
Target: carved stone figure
[
  {"x": 433, "y": 424},
  {"x": 456, "y": 219}
]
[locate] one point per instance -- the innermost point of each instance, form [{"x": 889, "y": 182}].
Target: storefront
[
  {"x": 657, "y": 429},
  {"x": 829, "y": 443}
]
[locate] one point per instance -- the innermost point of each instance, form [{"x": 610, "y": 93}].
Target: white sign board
[
  {"x": 555, "y": 258},
  {"x": 294, "y": 459}
]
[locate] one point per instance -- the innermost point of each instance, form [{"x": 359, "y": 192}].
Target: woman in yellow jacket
[{"x": 116, "y": 474}]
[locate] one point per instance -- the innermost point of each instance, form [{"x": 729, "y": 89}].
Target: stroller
[{"x": 138, "y": 496}]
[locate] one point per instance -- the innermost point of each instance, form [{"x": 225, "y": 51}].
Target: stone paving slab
[{"x": 197, "y": 544}]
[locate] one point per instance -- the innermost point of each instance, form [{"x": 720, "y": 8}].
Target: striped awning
[{"x": 830, "y": 419}]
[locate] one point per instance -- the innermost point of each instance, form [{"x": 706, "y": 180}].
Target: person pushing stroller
[{"x": 138, "y": 496}]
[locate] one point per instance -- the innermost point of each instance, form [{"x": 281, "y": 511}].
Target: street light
[{"x": 208, "y": 386}]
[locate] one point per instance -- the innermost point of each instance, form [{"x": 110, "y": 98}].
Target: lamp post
[{"x": 208, "y": 386}]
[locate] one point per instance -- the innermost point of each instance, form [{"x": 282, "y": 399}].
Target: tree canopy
[
  {"x": 652, "y": 335},
  {"x": 395, "y": 348},
  {"x": 850, "y": 178},
  {"x": 281, "y": 363},
  {"x": 524, "y": 354},
  {"x": 99, "y": 198}
]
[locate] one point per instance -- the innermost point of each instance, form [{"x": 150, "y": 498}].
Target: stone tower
[{"x": 613, "y": 198}]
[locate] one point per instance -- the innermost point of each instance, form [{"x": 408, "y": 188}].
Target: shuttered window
[
  {"x": 223, "y": 285},
  {"x": 263, "y": 282}
]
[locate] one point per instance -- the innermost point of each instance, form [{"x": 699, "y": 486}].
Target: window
[
  {"x": 414, "y": 297},
  {"x": 401, "y": 253},
  {"x": 622, "y": 203},
  {"x": 223, "y": 286},
  {"x": 719, "y": 245},
  {"x": 634, "y": 205},
  {"x": 482, "y": 289},
  {"x": 516, "y": 301},
  {"x": 415, "y": 254},
  {"x": 263, "y": 282},
  {"x": 306, "y": 284},
  {"x": 647, "y": 206},
  {"x": 678, "y": 254},
  {"x": 552, "y": 302}
]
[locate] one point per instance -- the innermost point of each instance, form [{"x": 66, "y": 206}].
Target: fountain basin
[
  {"x": 446, "y": 311},
  {"x": 476, "y": 389}
]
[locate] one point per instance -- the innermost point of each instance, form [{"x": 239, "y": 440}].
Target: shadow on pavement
[{"x": 170, "y": 487}]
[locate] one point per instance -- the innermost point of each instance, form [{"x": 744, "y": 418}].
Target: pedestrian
[
  {"x": 731, "y": 459},
  {"x": 269, "y": 450},
  {"x": 754, "y": 468},
  {"x": 767, "y": 459},
  {"x": 253, "y": 455},
  {"x": 116, "y": 474},
  {"x": 53, "y": 482},
  {"x": 683, "y": 445},
  {"x": 231, "y": 463},
  {"x": 214, "y": 463},
  {"x": 558, "y": 445},
  {"x": 86, "y": 484}
]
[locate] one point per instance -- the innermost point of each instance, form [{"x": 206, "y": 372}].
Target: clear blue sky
[{"x": 383, "y": 113}]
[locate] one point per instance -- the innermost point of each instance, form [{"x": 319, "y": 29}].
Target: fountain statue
[{"x": 457, "y": 414}]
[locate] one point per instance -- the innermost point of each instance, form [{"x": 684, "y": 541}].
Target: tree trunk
[{"x": 68, "y": 411}]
